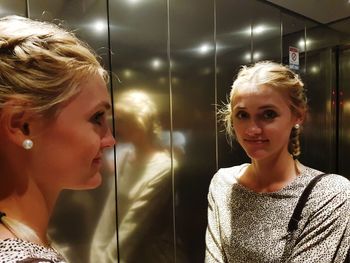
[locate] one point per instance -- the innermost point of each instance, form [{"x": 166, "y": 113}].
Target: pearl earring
[
  {"x": 27, "y": 144},
  {"x": 297, "y": 126}
]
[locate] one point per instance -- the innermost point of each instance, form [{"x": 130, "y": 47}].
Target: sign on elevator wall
[{"x": 294, "y": 58}]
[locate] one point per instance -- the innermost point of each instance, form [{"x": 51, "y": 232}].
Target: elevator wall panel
[
  {"x": 319, "y": 140},
  {"x": 145, "y": 162},
  {"x": 293, "y": 36},
  {"x": 13, "y": 7},
  {"x": 266, "y": 32},
  {"x": 344, "y": 111},
  {"x": 193, "y": 90},
  {"x": 234, "y": 49}
]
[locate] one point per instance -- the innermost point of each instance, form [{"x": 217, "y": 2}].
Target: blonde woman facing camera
[
  {"x": 250, "y": 205},
  {"x": 53, "y": 129}
]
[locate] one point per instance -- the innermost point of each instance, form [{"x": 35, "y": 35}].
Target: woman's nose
[
  {"x": 253, "y": 129},
  {"x": 108, "y": 140}
]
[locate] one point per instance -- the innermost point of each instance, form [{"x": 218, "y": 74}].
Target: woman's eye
[
  {"x": 98, "y": 118},
  {"x": 269, "y": 114},
  {"x": 242, "y": 115}
]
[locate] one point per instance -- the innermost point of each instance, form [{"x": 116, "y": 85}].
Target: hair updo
[
  {"x": 140, "y": 109},
  {"x": 278, "y": 77},
  {"x": 41, "y": 64}
]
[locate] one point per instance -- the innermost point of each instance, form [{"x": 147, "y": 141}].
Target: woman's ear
[
  {"x": 15, "y": 122},
  {"x": 300, "y": 116}
]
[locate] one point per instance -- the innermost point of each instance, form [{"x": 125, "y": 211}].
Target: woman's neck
[
  {"x": 30, "y": 207},
  {"x": 270, "y": 175}
]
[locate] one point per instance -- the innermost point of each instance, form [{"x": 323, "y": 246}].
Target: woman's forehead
[
  {"x": 259, "y": 93},
  {"x": 253, "y": 89}
]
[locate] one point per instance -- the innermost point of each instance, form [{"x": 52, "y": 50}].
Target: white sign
[{"x": 293, "y": 58}]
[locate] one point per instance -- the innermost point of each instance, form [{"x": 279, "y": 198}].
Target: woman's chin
[
  {"x": 95, "y": 181},
  {"x": 257, "y": 155},
  {"x": 91, "y": 183}
]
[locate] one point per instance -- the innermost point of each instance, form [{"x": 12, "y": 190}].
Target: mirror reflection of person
[
  {"x": 53, "y": 129},
  {"x": 144, "y": 194},
  {"x": 250, "y": 205}
]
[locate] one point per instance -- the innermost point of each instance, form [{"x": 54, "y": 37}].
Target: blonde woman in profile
[
  {"x": 144, "y": 189},
  {"x": 53, "y": 107},
  {"x": 250, "y": 205}
]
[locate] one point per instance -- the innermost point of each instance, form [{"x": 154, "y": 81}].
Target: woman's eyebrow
[
  {"x": 104, "y": 104},
  {"x": 268, "y": 106}
]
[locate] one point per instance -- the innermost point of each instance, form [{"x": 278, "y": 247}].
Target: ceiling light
[
  {"x": 156, "y": 63},
  {"x": 259, "y": 29},
  {"x": 99, "y": 26},
  {"x": 204, "y": 48}
]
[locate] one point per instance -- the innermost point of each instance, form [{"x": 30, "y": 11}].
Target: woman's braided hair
[
  {"x": 279, "y": 77},
  {"x": 42, "y": 64}
]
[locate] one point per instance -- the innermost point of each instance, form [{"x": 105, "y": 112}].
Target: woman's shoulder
[
  {"x": 332, "y": 190},
  {"x": 334, "y": 184},
  {"x": 331, "y": 182},
  {"x": 226, "y": 177},
  {"x": 13, "y": 250}
]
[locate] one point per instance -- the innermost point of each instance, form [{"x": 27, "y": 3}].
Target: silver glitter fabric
[
  {"x": 248, "y": 227},
  {"x": 21, "y": 251}
]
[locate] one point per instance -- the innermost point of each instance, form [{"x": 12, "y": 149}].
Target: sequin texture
[
  {"x": 17, "y": 251},
  {"x": 248, "y": 227}
]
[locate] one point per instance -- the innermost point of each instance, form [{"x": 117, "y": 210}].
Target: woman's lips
[
  {"x": 256, "y": 141},
  {"x": 97, "y": 160}
]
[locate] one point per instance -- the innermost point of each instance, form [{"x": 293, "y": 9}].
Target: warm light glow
[
  {"x": 301, "y": 43},
  {"x": 204, "y": 48},
  {"x": 175, "y": 80},
  {"x": 256, "y": 55},
  {"x": 314, "y": 69},
  {"x": 133, "y": 1},
  {"x": 156, "y": 63},
  {"x": 127, "y": 73},
  {"x": 259, "y": 29},
  {"x": 162, "y": 80},
  {"x": 99, "y": 26},
  {"x": 247, "y": 56},
  {"x": 206, "y": 71},
  {"x": 248, "y": 31}
]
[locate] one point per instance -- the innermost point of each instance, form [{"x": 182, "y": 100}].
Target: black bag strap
[{"x": 296, "y": 216}]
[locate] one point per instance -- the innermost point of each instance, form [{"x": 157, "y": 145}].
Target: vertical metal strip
[
  {"x": 337, "y": 127},
  {"x": 281, "y": 40},
  {"x": 113, "y": 123},
  {"x": 171, "y": 127},
  {"x": 27, "y": 9},
  {"x": 305, "y": 48},
  {"x": 216, "y": 93},
  {"x": 251, "y": 38}
]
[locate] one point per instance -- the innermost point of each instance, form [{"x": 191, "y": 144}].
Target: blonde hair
[
  {"x": 279, "y": 77},
  {"x": 41, "y": 64},
  {"x": 41, "y": 67},
  {"x": 141, "y": 109}
]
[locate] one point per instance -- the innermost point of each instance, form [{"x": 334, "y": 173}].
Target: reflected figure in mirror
[
  {"x": 53, "y": 127},
  {"x": 144, "y": 188},
  {"x": 250, "y": 205}
]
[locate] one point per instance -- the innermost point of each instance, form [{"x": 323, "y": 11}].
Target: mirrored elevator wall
[{"x": 172, "y": 64}]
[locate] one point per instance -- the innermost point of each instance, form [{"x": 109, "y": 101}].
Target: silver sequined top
[
  {"x": 246, "y": 227},
  {"x": 21, "y": 251}
]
